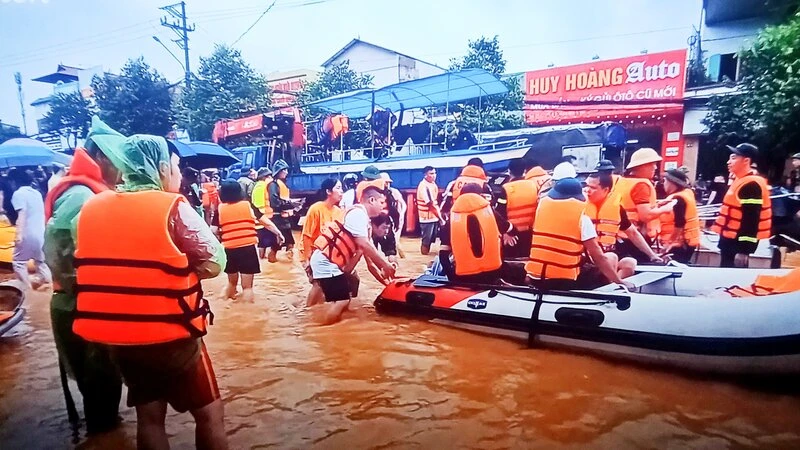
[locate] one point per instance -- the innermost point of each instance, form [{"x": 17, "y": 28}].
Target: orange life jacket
[
  {"x": 83, "y": 171},
  {"x": 538, "y": 175},
  {"x": 769, "y": 284},
  {"x": 237, "y": 224},
  {"x": 340, "y": 124},
  {"x": 623, "y": 188},
  {"x": 556, "y": 246},
  {"x": 336, "y": 243},
  {"x": 283, "y": 194},
  {"x": 606, "y": 220},
  {"x": 466, "y": 262},
  {"x": 128, "y": 292},
  {"x": 427, "y": 194},
  {"x": 211, "y": 196},
  {"x": 268, "y": 212},
  {"x": 469, "y": 174},
  {"x": 691, "y": 231},
  {"x": 522, "y": 196},
  {"x": 729, "y": 220}
]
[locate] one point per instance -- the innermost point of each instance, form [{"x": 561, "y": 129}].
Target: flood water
[{"x": 381, "y": 382}]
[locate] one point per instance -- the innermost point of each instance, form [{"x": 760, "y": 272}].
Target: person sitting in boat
[
  {"x": 609, "y": 217},
  {"x": 562, "y": 233},
  {"x": 349, "y": 183},
  {"x": 746, "y": 213},
  {"x": 340, "y": 247},
  {"x": 472, "y": 173},
  {"x": 517, "y": 203},
  {"x": 561, "y": 171},
  {"x": 606, "y": 166},
  {"x": 535, "y": 172},
  {"x": 638, "y": 195},
  {"x": 473, "y": 221},
  {"x": 680, "y": 228}
]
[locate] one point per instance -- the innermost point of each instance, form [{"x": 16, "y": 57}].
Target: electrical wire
[{"x": 254, "y": 23}]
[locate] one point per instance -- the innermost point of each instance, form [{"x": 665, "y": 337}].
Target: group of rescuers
[
  {"x": 128, "y": 254},
  {"x": 554, "y": 232}
]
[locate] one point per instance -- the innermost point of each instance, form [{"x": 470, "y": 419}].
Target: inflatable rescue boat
[
  {"x": 11, "y": 310},
  {"x": 702, "y": 319}
]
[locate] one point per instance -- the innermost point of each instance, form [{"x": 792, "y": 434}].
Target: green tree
[
  {"x": 495, "y": 113},
  {"x": 225, "y": 87},
  {"x": 766, "y": 110},
  {"x": 138, "y": 100},
  {"x": 334, "y": 80},
  {"x": 69, "y": 115}
]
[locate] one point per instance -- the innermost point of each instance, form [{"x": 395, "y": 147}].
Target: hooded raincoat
[
  {"x": 89, "y": 363},
  {"x": 148, "y": 365}
]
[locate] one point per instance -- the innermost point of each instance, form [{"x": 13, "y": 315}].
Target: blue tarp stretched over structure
[{"x": 450, "y": 87}]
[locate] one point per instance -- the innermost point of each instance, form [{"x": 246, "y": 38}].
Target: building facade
[
  {"x": 385, "y": 66},
  {"x": 644, "y": 93},
  {"x": 65, "y": 80},
  {"x": 286, "y": 85},
  {"x": 727, "y": 26}
]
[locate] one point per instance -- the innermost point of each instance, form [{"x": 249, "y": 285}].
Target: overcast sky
[{"x": 36, "y": 35}]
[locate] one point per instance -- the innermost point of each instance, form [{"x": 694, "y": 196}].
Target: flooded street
[{"x": 383, "y": 382}]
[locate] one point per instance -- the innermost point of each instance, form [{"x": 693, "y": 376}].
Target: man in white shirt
[
  {"x": 29, "y": 240},
  {"x": 340, "y": 248}
]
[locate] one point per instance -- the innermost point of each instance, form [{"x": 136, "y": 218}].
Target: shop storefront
[{"x": 644, "y": 93}]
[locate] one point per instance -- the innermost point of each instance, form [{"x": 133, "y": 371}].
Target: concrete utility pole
[
  {"x": 18, "y": 79},
  {"x": 178, "y": 25}
]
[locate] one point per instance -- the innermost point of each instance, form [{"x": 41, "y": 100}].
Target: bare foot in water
[{"x": 247, "y": 296}]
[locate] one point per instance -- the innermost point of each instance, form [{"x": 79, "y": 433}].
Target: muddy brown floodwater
[{"x": 383, "y": 382}]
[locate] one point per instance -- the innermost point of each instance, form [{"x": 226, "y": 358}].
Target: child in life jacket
[{"x": 235, "y": 224}]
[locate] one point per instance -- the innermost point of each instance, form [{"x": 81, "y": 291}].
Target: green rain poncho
[
  {"x": 90, "y": 364},
  {"x": 144, "y": 155},
  {"x": 140, "y": 365}
]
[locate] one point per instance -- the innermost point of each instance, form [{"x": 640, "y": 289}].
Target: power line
[
  {"x": 254, "y": 23},
  {"x": 180, "y": 28},
  {"x": 73, "y": 42}
]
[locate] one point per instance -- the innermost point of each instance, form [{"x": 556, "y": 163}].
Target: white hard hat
[{"x": 564, "y": 170}]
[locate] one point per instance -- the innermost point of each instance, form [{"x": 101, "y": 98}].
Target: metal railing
[{"x": 314, "y": 153}]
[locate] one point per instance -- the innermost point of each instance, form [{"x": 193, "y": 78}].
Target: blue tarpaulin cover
[{"x": 450, "y": 87}]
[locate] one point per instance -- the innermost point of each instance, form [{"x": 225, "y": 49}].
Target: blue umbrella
[
  {"x": 19, "y": 152},
  {"x": 203, "y": 155}
]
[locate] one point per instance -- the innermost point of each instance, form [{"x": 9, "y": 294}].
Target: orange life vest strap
[{"x": 179, "y": 295}]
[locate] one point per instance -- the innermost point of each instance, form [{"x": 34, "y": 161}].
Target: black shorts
[
  {"x": 335, "y": 288},
  {"x": 589, "y": 278},
  {"x": 243, "y": 260},
  {"x": 626, "y": 249},
  {"x": 266, "y": 238}
]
